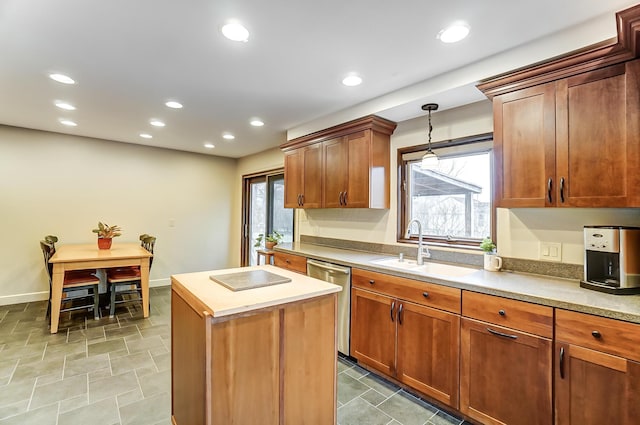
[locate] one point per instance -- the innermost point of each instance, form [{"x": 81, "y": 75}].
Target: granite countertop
[
  {"x": 221, "y": 301},
  {"x": 554, "y": 292}
]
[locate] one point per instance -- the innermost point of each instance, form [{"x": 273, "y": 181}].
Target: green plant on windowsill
[
  {"x": 270, "y": 240},
  {"x": 487, "y": 245}
]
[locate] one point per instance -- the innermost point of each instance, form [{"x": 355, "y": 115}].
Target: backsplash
[{"x": 561, "y": 270}]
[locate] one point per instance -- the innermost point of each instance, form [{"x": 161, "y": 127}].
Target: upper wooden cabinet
[
  {"x": 570, "y": 143},
  {"x": 346, "y": 166},
  {"x": 567, "y": 131}
]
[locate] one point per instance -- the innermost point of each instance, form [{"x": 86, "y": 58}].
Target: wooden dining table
[{"x": 88, "y": 256}]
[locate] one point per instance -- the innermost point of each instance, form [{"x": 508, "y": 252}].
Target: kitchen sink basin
[{"x": 426, "y": 268}]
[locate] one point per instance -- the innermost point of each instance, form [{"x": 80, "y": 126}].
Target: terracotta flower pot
[
  {"x": 104, "y": 243},
  {"x": 269, "y": 245}
]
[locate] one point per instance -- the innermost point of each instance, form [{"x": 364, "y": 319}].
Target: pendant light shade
[{"x": 429, "y": 159}]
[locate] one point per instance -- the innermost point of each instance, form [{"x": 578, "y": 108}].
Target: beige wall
[{"x": 59, "y": 184}]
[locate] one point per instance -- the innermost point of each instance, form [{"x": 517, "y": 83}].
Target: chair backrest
[
  {"x": 148, "y": 242},
  {"x": 48, "y": 249}
]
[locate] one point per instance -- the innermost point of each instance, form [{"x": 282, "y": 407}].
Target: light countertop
[
  {"x": 221, "y": 301},
  {"x": 549, "y": 291}
]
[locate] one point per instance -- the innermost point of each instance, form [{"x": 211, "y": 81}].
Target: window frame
[{"x": 403, "y": 199}]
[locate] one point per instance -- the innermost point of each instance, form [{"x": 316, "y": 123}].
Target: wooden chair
[
  {"x": 126, "y": 281},
  {"x": 77, "y": 285}
]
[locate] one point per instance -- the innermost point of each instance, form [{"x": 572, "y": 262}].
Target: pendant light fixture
[{"x": 429, "y": 159}]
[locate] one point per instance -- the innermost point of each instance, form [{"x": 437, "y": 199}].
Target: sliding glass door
[{"x": 264, "y": 212}]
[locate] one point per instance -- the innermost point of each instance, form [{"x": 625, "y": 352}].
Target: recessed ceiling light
[
  {"x": 68, "y": 123},
  {"x": 156, "y": 123},
  {"x": 61, "y": 78},
  {"x": 228, "y": 136},
  {"x": 454, "y": 32},
  {"x": 257, "y": 122},
  {"x": 235, "y": 31},
  {"x": 352, "y": 80},
  {"x": 146, "y": 136},
  {"x": 66, "y": 106},
  {"x": 209, "y": 145},
  {"x": 173, "y": 104}
]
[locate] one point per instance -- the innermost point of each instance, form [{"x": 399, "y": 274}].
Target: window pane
[
  {"x": 258, "y": 215},
  {"x": 453, "y": 200},
  {"x": 282, "y": 218}
]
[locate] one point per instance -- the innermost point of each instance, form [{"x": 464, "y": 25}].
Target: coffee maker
[{"x": 612, "y": 259}]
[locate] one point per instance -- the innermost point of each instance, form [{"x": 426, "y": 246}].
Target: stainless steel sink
[{"x": 426, "y": 268}]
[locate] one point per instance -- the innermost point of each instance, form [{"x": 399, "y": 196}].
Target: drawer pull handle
[
  {"x": 491, "y": 331},
  {"x": 596, "y": 334},
  {"x": 393, "y": 305},
  {"x": 372, "y": 281},
  {"x": 425, "y": 294},
  {"x": 287, "y": 261},
  {"x": 502, "y": 313},
  {"x": 561, "y": 362}
]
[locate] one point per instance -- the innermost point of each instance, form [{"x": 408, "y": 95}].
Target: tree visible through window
[{"x": 452, "y": 201}]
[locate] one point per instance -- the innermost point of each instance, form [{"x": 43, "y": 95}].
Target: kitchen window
[{"x": 452, "y": 201}]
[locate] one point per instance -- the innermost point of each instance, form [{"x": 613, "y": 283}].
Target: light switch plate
[{"x": 550, "y": 251}]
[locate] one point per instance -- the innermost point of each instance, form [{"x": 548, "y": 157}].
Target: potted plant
[
  {"x": 271, "y": 240},
  {"x": 491, "y": 260},
  {"x": 106, "y": 234}
]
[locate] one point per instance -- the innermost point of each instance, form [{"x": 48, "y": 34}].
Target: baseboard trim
[{"x": 43, "y": 295}]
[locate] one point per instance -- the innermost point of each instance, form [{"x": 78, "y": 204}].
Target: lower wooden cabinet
[
  {"x": 505, "y": 375},
  {"x": 416, "y": 345},
  {"x": 295, "y": 263},
  {"x": 505, "y": 372},
  {"x": 596, "y": 382}
]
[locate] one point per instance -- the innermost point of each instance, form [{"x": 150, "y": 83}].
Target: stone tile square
[
  {"x": 129, "y": 397},
  {"x": 47, "y": 415},
  {"x": 407, "y": 409},
  {"x": 102, "y": 347},
  {"x": 156, "y": 383},
  {"x": 66, "y": 348},
  {"x": 16, "y": 391},
  {"x": 85, "y": 365},
  {"x": 350, "y": 388},
  {"x": 73, "y": 403},
  {"x": 14, "y": 409},
  {"x": 92, "y": 335},
  {"x": 122, "y": 332},
  {"x": 112, "y": 386},
  {"x": 11, "y": 352},
  {"x": 162, "y": 361},
  {"x": 379, "y": 384},
  {"x": 144, "y": 344},
  {"x": 130, "y": 362},
  {"x": 359, "y": 412},
  {"x": 443, "y": 418},
  {"x": 147, "y": 411},
  {"x": 103, "y": 412},
  {"x": 373, "y": 397},
  {"x": 57, "y": 391},
  {"x": 356, "y": 372}
]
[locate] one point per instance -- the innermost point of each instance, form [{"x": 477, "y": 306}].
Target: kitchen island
[{"x": 265, "y": 355}]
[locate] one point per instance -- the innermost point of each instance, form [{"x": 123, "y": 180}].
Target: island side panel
[
  {"x": 245, "y": 369},
  {"x": 188, "y": 359},
  {"x": 309, "y": 353}
]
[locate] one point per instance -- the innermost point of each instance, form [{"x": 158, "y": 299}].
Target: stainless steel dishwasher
[{"x": 341, "y": 276}]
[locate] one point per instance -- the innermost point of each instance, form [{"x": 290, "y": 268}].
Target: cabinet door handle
[
  {"x": 393, "y": 306},
  {"x": 299, "y": 199},
  {"x": 400, "y": 313},
  {"x": 302, "y": 199},
  {"x": 561, "y": 363},
  {"x": 562, "y": 189},
  {"x": 549, "y": 187},
  {"x": 345, "y": 198},
  {"x": 341, "y": 198},
  {"x": 491, "y": 331}
]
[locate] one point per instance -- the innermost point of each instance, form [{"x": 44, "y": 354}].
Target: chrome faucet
[{"x": 421, "y": 255}]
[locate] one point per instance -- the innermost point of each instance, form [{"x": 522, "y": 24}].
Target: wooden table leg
[
  {"x": 144, "y": 282},
  {"x": 56, "y": 295}
]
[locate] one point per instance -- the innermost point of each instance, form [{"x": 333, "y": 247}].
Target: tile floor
[{"x": 117, "y": 372}]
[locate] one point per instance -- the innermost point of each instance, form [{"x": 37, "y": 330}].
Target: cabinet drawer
[
  {"x": 599, "y": 333},
  {"x": 523, "y": 316},
  {"x": 295, "y": 263},
  {"x": 427, "y": 294}
]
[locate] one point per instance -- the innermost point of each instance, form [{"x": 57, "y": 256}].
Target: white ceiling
[{"x": 129, "y": 57}]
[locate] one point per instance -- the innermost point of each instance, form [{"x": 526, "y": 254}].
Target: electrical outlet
[{"x": 550, "y": 251}]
